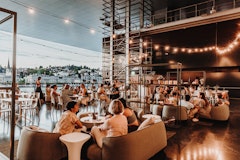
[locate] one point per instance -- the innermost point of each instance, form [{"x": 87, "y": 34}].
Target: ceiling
[{"x": 47, "y": 22}]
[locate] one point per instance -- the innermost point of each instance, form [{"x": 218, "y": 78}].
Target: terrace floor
[{"x": 206, "y": 139}]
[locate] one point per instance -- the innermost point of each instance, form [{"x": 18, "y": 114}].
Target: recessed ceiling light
[
  {"x": 92, "y": 31},
  {"x": 66, "y": 20},
  {"x": 31, "y": 10}
]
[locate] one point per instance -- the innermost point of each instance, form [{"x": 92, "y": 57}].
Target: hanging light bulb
[
  {"x": 144, "y": 43},
  {"x": 166, "y": 48},
  {"x": 156, "y": 47},
  {"x": 130, "y": 41},
  {"x": 183, "y": 49}
]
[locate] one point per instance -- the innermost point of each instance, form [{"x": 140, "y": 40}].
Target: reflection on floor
[{"x": 205, "y": 139}]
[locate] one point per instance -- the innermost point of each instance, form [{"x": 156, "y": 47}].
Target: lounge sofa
[
  {"x": 219, "y": 113},
  {"x": 179, "y": 112},
  {"x": 137, "y": 145},
  {"x": 37, "y": 144}
]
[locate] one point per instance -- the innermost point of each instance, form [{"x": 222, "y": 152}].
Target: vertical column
[
  {"x": 141, "y": 17},
  {"x": 111, "y": 72},
  {"x": 127, "y": 25},
  {"x": 13, "y": 86}
]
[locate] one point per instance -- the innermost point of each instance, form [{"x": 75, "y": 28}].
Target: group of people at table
[
  {"x": 194, "y": 98},
  {"x": 120, "y": 120},
  {"x": 79, "y": 93}
]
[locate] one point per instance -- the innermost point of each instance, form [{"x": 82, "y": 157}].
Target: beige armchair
[
  {"x": 219, "y": 113},
  {"x": 37, "y": 144},
  {"x": 179, "y": 112}
]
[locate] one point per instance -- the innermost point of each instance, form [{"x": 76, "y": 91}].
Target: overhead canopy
[{"x": 47, "y": 21}]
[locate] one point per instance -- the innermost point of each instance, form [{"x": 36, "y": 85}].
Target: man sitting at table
[
  {"x": 115, "y": 92},
  {"x": 69, "y": 122},
  {"x": 66, "y": 93}
]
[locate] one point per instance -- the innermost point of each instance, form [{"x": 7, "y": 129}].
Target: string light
[
  {"x": 218, "y": 50},
  {"x": 130, "y": 41},
  {"x": 156, "y": 47},
  {"x": 145, "y": 44}
]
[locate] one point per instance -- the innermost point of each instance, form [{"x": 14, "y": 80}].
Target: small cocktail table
[{"x": 74, "y": 142}]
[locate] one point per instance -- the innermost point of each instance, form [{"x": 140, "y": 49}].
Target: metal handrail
[{"x": 195, "y": 10}]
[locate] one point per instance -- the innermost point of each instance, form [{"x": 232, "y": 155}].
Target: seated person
[
  {"x": 159, "y": 95},
  {"x": 66, "y": 93},
  {"x": 83, "y": 95},
  {"x": 201, "y": 104},
  {"x": 115, "y": 92},
  {"x": 112, "y": 127},
  {"x": 173, "y": 99},
  {"x": 102, "y": 94},
  {"x": 185, "y": 103},
  {"x": 223, "y": 99},
  {"x": 83, "y": 91},
  {"x": 131, "y": 117},
  {"x": 69, "y": 122},
  {"x": 54, "y": 94}
]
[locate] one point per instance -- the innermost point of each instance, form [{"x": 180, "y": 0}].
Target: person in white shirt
[
  {"x": 117, "y": 125},
  {"x": 185, "y": 103},
  {"x": 69, "y": 122}
]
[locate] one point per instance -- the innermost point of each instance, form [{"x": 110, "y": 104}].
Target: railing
[{"x": 200, "y": 9}]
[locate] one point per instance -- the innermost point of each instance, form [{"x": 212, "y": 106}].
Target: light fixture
[
  {"x": 212, "y": 11},
  {"x": 66, "y": 21},
  {"x": 183, "y": 49},
  {"x": 130, "y": 41},
  {"x": 31, "y": 10},
  {"x": 175, "y": 50},
  {"x": 156, "y": 47},
  {"x": 92, "y": 31},
  {"x": 167, "y": 48},
  {"x": 144, "y": 43}
]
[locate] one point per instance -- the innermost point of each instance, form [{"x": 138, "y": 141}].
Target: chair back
[{"x": 38, "y": 144}]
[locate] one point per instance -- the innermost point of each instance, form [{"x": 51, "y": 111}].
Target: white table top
[
  {"x": 74, "y": 137},
  {"x": 99, "y": 120},
  {"x": 151, "y": 115}
]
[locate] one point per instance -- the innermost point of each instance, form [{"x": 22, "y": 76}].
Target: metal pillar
[
  {"x": 127, "y": 40},
  {"x": 14, "y": 15},
  {"x": 111, "y": 39}
]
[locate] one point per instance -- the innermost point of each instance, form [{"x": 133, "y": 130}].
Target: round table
[
  {"x": 155, "y": 117},
  {"x": 74, "y": 142},
  {"x": 151, "y": 115},
  {"x": 89, "y": 121}
]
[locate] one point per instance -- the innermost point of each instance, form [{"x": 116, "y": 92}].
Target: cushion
[
  {"x": 36, "y": 128},
  {"x": 146, "y": 123}
]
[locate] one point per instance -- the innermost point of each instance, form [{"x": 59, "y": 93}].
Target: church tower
[{"x": 8, "y": 69}]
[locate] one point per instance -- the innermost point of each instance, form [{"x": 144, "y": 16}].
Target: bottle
[{"x": 94, "y": 116}]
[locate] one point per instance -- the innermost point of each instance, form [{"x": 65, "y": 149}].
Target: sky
[{"x": 32, "y": 53}]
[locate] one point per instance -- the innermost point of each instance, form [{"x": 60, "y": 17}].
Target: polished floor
[{"x": 203, "y": 140}]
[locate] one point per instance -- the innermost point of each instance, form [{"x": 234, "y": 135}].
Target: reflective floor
[
  {"x": 203, "y": 140},
  {"x": 207, "y": 140}
]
